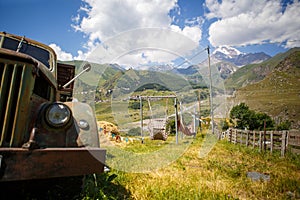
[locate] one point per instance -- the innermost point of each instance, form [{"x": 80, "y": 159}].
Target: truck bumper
[{"x": 23, "y": 164}]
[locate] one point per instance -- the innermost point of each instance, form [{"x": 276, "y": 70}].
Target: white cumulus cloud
[
  {"x": 246, "y": 22},
  {"x": 143, "y": 46},
  {"x": 192, "y": 32},
  {"x": 125, "y": 26},
  {"x": 61, "y": 55},
  {"x": 107, "y": 18}
]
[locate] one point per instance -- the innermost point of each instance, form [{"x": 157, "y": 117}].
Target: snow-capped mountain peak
[{"x": 230, "y": 52}]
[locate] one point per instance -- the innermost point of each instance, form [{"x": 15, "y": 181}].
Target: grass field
[
  {"x": 222, "y": 174},
  {"x": 165, "y": 170}
]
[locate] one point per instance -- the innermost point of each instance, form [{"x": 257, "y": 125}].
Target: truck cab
[{"x": 43, "y": 132}]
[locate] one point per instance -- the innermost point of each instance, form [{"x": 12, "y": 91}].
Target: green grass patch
[{"x": 222, "y": 174}]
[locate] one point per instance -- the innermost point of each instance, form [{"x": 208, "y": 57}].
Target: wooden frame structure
[{"x": 141, "y": 98}]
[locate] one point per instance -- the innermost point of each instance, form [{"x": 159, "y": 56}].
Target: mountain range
[
  {"x": 232, "y": 55},
  {"x": 261, "y": 83},
  {"x": 225, "y": 61}
]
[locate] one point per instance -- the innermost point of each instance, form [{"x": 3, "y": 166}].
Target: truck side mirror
[
  {"x": 66, "y": 86},
  {"x": 87, "y": 67},
  {"x": 65, "y": 73}
]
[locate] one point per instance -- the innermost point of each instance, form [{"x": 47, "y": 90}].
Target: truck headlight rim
[
  {"x": 83, "y": 124},
  {"x": 58, "y": 114}
]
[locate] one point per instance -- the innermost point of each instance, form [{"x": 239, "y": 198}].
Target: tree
[
  {"x": 241, "y": 114},
  {"x": 260, "y": 119},
  {"x": 246, "y": 118}
]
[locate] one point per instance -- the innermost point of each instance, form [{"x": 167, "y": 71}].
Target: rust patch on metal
[{"x": 21, "y": 164}]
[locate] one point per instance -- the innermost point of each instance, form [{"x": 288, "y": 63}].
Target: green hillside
[
  {"x": 279, "y": 93},
  {"x": 98, "y": 74},
  {"x": 255, "y": 72}
]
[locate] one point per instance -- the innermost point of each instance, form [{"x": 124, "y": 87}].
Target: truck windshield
[{"x": 36, "y": 52}]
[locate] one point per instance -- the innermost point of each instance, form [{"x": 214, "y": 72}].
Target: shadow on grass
[
  {"x": 103, "y": 187},
  {"x": 98, "y": 186},
  {"x": 54, "y": 188}
]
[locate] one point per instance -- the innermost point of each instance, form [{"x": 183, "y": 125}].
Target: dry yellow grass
[{"x": 222, "y": 174}]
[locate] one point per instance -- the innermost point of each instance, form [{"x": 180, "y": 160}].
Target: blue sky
[{"x": 74, "y": 28}]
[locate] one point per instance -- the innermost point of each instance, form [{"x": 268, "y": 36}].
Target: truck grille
[{"x": 12, "y": 85}]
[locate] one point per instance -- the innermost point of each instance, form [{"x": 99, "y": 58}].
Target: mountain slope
[
  {"x": 255, "y": 72},
  {"x": 279, "y": 93},
  {"x": 98, "y": 74},
  {"x": 199, "y": 74}
]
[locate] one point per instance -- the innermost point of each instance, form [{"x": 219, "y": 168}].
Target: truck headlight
[{"x": 58, "y": 115}]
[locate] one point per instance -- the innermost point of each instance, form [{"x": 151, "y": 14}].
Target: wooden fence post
[
  {"x": 253, "y": 139},
  {"x": 247, "y": 137},
  {"x": 234, "y": 136},
  {"x": 265, "y": 144},
  {"x": 228, "y": 135},
  {"x": 260, "y": 141},
  {"x": 271, "y": 138},
  {"x": 283, "y": 143},
  {"x": 241, "y": 137}
]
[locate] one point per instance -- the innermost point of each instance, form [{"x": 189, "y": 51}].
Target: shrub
[
  {"x": 286, "y": 125},
  {"x": 134, "y": 131},
  {"x": 170, "y": 128},
  {"x": 225, "y": 125}
]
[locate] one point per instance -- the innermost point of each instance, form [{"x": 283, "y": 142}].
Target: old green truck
[{"x": 44, "y": 133}]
